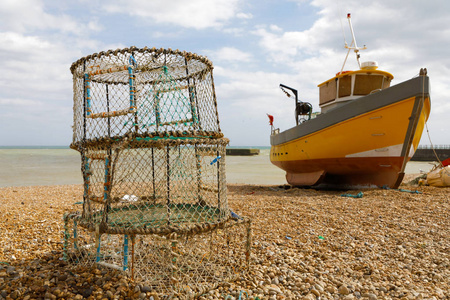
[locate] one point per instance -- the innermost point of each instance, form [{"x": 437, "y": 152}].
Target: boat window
[
  {"x": 345, "y": 86},
  {"x": 386, "y": 83},
  {"x": 364, "y": 84},
  {"x": 327, "y": 92}
]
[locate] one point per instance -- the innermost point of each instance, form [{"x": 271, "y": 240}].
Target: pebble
[
  {"x": 14, "y": 295},
  {"x": 370, "y": 296},
  {"x": 386, "y": 245},
  {"x": 343, "y": 290},
  {"x": 309, "y": 297}
]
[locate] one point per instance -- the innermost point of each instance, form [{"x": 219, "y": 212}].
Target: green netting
[
  {"x": 157, "y": 215},
  {"x": 165, "y": 103}
]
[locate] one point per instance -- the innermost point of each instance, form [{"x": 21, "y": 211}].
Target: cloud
[
  {"x": 230, "y": 54},
  {"x": 245, "y": 97},
  {"x": 30, "y": 15},
  {"x": 284, "y": 47},
  {"x": 35, "y": 63},
  {"x": 397, "y": 36},
  {"x": 393, "y": 29},
  {"x": 197, "y": 14},
  {"x": 244, "y": 16},
  {"x": 275, "y": 28},
  {"x": 36, "y": 89},
  {"x": 252, "y": 53},
  {"x": 20, "y": 102},
  {"x": 238, "y": 32},
  {"x": 287, "y": 46}
]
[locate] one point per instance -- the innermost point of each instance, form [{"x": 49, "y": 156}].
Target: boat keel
[{"x": 305, "y": 179}]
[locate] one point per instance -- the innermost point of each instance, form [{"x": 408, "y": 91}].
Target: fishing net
[{"x": 153, "y": 163}]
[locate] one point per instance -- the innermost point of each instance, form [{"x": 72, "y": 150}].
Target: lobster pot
[
  {"x": 185, "y": 264},
  {"x": 143, "y": 92},
  {"x": 155, "y": 183},
  {"x": 153, "y": 163}
]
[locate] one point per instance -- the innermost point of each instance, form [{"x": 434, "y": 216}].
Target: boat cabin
[{"x": 350, "y": 85}]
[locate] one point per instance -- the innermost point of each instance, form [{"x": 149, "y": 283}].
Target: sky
[{"x": 254, "y": 46}]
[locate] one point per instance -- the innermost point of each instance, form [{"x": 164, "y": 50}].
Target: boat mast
[{"x": 353, "y": 46}]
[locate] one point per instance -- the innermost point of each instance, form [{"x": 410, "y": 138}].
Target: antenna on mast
[{"x": 353, "y": 46}]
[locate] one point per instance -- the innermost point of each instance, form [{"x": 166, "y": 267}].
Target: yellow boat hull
[{"x": 367, "y": 148}]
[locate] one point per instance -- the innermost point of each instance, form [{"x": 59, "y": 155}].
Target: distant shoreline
[
  {"x": 68, "y": 147},
  {"x": 34, "y": 147}
]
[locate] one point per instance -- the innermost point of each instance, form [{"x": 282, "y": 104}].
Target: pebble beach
[{"x": 306, "y": 244}]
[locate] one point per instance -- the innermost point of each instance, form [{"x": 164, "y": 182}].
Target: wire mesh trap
[{"x": 153, "y": 163}]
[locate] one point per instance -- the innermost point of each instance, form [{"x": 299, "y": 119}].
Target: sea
[{"x": 60, "y": 165}]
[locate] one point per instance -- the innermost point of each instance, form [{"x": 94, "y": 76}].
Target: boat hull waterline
[{"x": 366, "y": 142}]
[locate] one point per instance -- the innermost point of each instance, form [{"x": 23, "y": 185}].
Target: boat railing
[{"x": 434, "y": 147}]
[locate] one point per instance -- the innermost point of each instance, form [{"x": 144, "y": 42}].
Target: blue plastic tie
[
  {"x": 132, "y": 59},
  {"x": 412, "y": 192},
  {"x": 385, "y": 187},
  {"x": 215, "y": 160},
  {"x": 359, "y": 195}
]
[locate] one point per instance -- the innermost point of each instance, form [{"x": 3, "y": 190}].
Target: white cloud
[
  {"x": 252, "y": 53},
  {"x": 398, "y": 35},
  {"x": 275, "y": 28},
  {"x": 244, "y": 99},
  {"x": 231, "y": 54},
  {"x": 238, "y": 32},
  {"x": 30, "y": 15},
  {"x": 20, "y": 102},
  {"x": 198, "y": 14},
  {"x": 34, "y": 63},
  {"x": 244, "y": 16},
  {"x": 291, "y": 45},
  {"x": 284, "y": 47},
  {"x": 36, "y": 88}
]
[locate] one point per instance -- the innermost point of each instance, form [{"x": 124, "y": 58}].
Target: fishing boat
[{"x": 365, "y": 134}]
